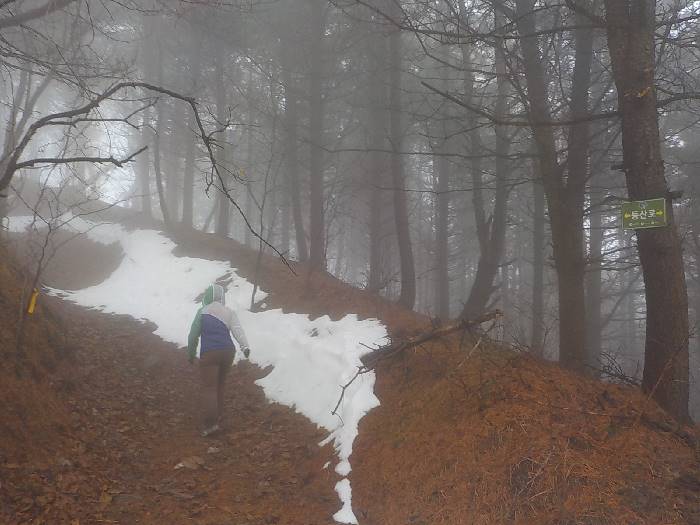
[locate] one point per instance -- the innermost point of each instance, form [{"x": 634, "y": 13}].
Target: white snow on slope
[{"x": 311, "y": 359}]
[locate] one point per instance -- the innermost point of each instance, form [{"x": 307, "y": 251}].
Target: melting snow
[{"x": 311, "y": 359}]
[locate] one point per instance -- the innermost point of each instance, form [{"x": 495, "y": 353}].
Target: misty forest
[{"x": 456, "y": 242}]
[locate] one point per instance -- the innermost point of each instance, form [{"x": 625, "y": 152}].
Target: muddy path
[{"x": 133, "y": 419}]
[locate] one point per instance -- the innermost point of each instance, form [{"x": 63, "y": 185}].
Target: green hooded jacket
[{"x": 214, "y": 323}]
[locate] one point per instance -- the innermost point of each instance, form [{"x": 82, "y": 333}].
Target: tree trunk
[
  {"x": 408, "y": 272},
  {"x": 441, "y": 176},
  {"x": 442, "y": 184},
  {"x": 565, "y": 197},
  {"x": 285, "y": 226},
  {"x": 173, "y": 159},
  {"x": 538, "y": 247},
  {"x": 594, "y": 280},
  {"x": 160, "y": 130},
  {"x": 377, "y": 170},
  {"x": 630, "y": 34},
  {"x": 195, "y": 64},
  {"x": 317, "y": 258},
  {"x": 490, "y": 232},
  {"x": 147, "y": 59},
  {"x": 250, "y": 162},
  {"x": 223, "y": 206},
  {"x": 291, "y": 117},
  {"x": 143, "y": 168},
  {"x": 579, "y": 140}
]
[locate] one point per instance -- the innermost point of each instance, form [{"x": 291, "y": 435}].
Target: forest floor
[
  {"x": 100, "y": 438},
  {"x": 468, "y": 432}
]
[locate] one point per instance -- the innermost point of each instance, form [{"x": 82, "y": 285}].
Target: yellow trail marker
[{"x": 32, "y": 301}]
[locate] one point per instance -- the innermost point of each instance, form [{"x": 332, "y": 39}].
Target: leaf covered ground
[
  {"x": 94, "y": 430},
  {"x": 107, "y": 433}
]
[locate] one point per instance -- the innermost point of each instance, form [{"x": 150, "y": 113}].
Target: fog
[{"x": 457, "y": 157}]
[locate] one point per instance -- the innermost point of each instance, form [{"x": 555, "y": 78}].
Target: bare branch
[
  {"x": 32, "y": 14},
  {"x": 371, "y": 360},
  {"x": 529, "y": 122},
  {"x": 69, "y": 160},
  {"x": 12, "y": 163}
]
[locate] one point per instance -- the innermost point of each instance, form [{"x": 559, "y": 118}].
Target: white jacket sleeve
[{"x": 237, "y": 330}]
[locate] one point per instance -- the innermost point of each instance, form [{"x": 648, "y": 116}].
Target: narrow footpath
[{"x": 131, "y": 452}]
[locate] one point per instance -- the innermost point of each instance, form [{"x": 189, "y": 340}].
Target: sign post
[{"x": 637, "y": 215}]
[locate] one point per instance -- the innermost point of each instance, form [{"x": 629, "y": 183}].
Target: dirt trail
[{"x": 133, "y": 408}]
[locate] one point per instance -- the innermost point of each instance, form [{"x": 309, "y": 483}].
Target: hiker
[{"x": 214, "y": 322}]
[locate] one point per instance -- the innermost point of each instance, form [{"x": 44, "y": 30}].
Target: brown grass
[
  {"x": 462, "y": 437},
  {"x": 505, "y": 438}
]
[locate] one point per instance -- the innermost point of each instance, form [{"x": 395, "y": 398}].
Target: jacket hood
[{"x": 214, "y": 294}]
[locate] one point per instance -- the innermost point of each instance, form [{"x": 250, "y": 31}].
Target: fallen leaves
[{"x": 130, "y": 419}]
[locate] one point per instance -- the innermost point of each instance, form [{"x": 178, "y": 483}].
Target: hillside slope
[
  {"x": 488, "y": 436},
  {"x": 98, "y": 437},
  {"x": 466, "y": 432},
  {"x": 475, "y": 433}
]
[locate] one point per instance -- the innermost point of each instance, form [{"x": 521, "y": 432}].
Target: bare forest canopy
[{"x": 456, "y": 156}]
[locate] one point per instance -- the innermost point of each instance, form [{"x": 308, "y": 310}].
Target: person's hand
[{"x": 246, "y": 352}]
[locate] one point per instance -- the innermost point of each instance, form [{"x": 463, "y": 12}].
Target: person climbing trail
[{"x": 214, "y": 323}]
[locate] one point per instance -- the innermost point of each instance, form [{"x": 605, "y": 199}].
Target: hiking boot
[{"x": 211, "y": 430}]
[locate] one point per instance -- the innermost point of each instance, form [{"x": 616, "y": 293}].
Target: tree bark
[
  {"x": 491, "y": 232},
  {"x": 377, "y": 171},
  {"x": 442, "y": 225},
  {"x": 195, "y": 65},
  {"x": 565, "y": 196},
  {"x": 143, "y": 168},
  {"x": 538, "y": 247},
  {"x": 250, "y": 162},
  {"x": 160, "y": 129},
  {"x": 441, "y": 176},
  {"x": 317, "y": 257},
  {"x": 223, "y": 206},
  {"x": 630, "y": 32},
  {"x": 173, "y": 159},
  {"x": 291, "y": 117},
  {"x": 594, "y": 276},
  {"x": 408, "y": 273}
]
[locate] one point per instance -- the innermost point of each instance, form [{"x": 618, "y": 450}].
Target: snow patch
[
  {"x": 310, "y": 358},
  {"x": 345, "y": 515}
]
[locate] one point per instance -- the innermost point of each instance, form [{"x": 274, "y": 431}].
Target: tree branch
[
  {"x": 12, "y": 163},
  {"x": 512, "y": 119},
  {"x": 528, "y": 121},
  {"x": 68, "y": 160},
  {"x": 371, "y": 360},
  {"x": 32, "y": 14}
]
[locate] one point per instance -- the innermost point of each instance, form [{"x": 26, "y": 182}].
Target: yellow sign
[{"x": 32, "y": 302}]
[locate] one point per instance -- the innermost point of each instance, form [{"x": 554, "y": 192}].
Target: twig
[
  {"x": 382, "y": 353},
  {"x": 391, "y": 350}
]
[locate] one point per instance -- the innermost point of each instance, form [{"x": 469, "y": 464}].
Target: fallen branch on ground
[
  {"x": 382, "y": 353},
  {"x": 385, "y": 352}
]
